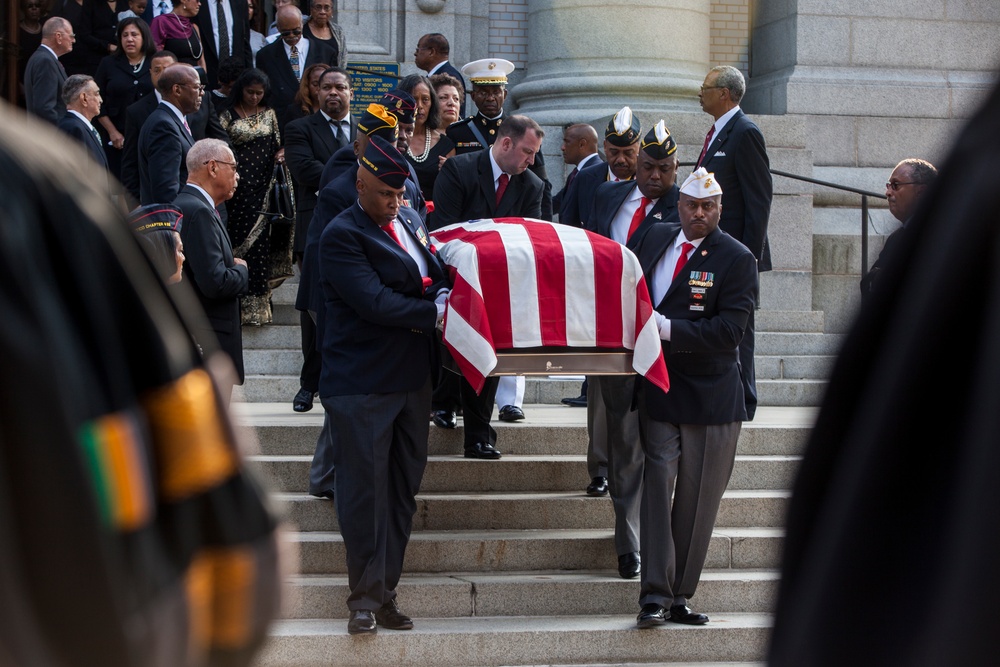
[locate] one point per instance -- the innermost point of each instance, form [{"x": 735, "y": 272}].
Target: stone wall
[{"x": 729, "y": 33}]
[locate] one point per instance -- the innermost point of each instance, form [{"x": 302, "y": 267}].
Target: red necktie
[
  {"x": 638, "y": 217},
  {"x": 502, "y": 186},
  {"x": 682, "y": 260},
  {"x": 390, "y": 229},
  {"x": 708, "y": 140}
]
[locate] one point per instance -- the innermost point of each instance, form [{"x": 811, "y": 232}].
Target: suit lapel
[
  {"x": 489, "y": 191},
  {"x": 699, "y": 256},
  {"x": 325, "y": 134},
  {"x": 720, "y": 138},
  {"x": 619, "y": 194},
  {"x": 382, "y": 237}
]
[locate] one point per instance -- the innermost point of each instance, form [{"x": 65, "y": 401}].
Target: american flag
[{"x": 523, "y": 283}]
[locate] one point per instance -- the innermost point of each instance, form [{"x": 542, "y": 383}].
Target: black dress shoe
[
  {"x": 482, "y": 450},
  {"x": 389, "y": 616},
  {"x": 576, "y": 401},
  {"x": 629, "y": 565},
  {"x": 325, "y": 495},
  {"x": 362, "y": 623},
  {"x": 598, "y": 487},
  {"x": 651, "y": 616},
  {"x": 681, "y": 613},
  {"x": 444, "y": 419},
  {"x": 511, "y": 413},
  {"x": 303, "y": 401}
]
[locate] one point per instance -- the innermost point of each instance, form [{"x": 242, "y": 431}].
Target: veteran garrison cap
[
  {"x": 488, "y": 71},
  {"x": 400, "y": 104},
  {"x": 701, "y": 184},
  {"x": 377, "y": 121},
  {"x": 155, "y": 217},
  {"x": 623, "y": 129},
  {"x": 658, "y": 143},
  {"x": 382, "y": 159}
]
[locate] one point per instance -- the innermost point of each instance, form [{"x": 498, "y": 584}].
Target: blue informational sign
[{"x": 372, "y": 80}]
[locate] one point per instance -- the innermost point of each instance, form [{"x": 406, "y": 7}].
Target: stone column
[{"x": 584, "y": 58}]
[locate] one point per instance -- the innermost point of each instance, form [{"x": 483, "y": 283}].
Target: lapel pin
[
  {"x": 658, "y": 216},
  {"x": 704, "y": 253}
]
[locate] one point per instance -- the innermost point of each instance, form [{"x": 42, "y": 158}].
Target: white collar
[
  {"x": 204, "y": 193},
  {"x": 725, "y": 118}
]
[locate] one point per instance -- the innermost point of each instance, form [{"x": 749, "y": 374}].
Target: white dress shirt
[
  {"x": 623, "y": 219},
  {"x": 663, "y": 276},
  {"x": 227, "y": 11}
]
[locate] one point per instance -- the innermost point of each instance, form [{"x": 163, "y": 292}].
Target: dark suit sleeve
[
  {"x": 305, "y": 168},
  {"x": 164, "y": 161},
  {"x": 345, "y": 265},
  {"x": 449, "y": 195},
  {"x": 205, "y": 259},
  {"x": 535, "y": 203},
  {"x": 44, "y": 83},
  {"x": 570, "y": 215},
  {"x": 725, "y": 330},
  {"x": 130, "y": 155},
  {"x": 538, "y": 169},
  {"x": 213, "y": 128},
  {"x": 753, "y": 170}
]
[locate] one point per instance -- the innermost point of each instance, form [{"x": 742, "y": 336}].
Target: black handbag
[{"x": 281, "y": 201}]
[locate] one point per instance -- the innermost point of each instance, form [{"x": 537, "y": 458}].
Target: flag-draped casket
[{"x": 522, "y": 283}]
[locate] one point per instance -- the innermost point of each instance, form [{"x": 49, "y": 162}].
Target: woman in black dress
[
  {"x": 320, "y": 28},
  {"x": 428, "y": 143},
  {"x": 253, "y": 133},
  {"x": 95, "y": 38},
  {"x": 123, "y": 79}
]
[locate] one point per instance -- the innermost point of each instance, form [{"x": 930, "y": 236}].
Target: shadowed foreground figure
[
  {"x": 130, "y": 535},
  {"x": 893, "y": 533}
]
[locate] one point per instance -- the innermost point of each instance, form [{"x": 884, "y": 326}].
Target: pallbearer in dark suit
[
  {"x": 735, "y": 151},
  {"x": 218, "y": 278},
  {"x": 165, "y": 137},
  {"x": 492, "y": 183},
  {"x": 703, "y": 283},
  {"x": 380, "y": 281},
  {"x": 579, "y": 148},
  {"x": 625, "y": 212},
  {"x": 82, "y": 98}
]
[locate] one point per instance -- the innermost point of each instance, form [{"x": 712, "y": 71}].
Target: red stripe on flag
[
  {"x": 608, "y": 266},
  {"x": 495, "y": 283},
  {"x": 550, "y": 277}
]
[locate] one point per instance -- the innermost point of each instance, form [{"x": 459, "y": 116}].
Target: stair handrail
[{"x": 865, "y": 194}]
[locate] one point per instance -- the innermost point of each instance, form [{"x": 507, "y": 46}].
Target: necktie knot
[
  {"x": 686, "y": 249},
  {"x": 390, "y": 229},
  {"x": 638, "y": 216}
]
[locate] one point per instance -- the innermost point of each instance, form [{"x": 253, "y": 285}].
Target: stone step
[
  {"x": 517, "y": 640},
  {"x": 555, "y": 593},
  {"x": 548, "y": 429},
  {"x": 793, "y": 367},
  {"x": 791, "y": 392},
  {"x": 531, "y": 510},
  {"x": 447, "y": 551},
  {"x": 521, "y": 473}
]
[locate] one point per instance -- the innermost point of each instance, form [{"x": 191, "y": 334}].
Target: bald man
[
  {"x": 44, "y": 74},
  {"x": 579, "y": 148}
]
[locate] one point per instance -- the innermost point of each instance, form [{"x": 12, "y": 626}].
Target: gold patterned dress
[{"x": 266, "y": 248}]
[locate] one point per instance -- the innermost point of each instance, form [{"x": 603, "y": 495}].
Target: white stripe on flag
[
  {"x": 630, "y": 270},
  {"x": 462, "y": 336},
  {"x": 581, "y": 309},
  {"x": 526, "y": 323}
]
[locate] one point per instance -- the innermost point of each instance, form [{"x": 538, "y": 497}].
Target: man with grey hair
[
  {"x": 734, "y": 150},
  {"x": 82, "y": 98},
  {"x": 166, "y": 138},
  {"x": 218, "y": 278},
  {"x": 44, "y": 74},
  {"x": 906, "y": 186}
]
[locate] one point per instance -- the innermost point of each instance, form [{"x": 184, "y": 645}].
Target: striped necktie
[
  {"x": 294, "y": 60},
  {"x": 223, "y": 32}
]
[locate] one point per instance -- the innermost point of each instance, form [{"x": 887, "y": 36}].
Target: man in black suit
[
  {"x": 492, "y": 183},
  {"x": 431, "y": 55},
  {"x": 82, "y": 98},
  {"x": 734, "y": 150},
  {"x": 624, "y": 212},
  {"x": 224, "y": 35},
  {"x": 379, "y": 282},
  {"x": 579, "y": 148},
  {"x": 702, "y": 282},
  {"x": 165, "y": 137},
  {"x": 309, "y": 143},
  {"x": 335, "y": 198},
  {"x": 218, "y": 278},
  {"x": 621, "y": 147},
  {"x": 489, "y": 91},
  {"x": 285, "y": 59},
  {"x": 44, "y": 75}
]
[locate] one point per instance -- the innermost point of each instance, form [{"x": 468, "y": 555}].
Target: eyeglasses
[
  {"x": 287, "y": 33},
  {"x": 199, "y": 86},
  {"x": 704, "y": 88},
  {"x": 232, "y": 164},
  {"x": 71, "y": 35},
  {"x": 896, "y": 185}
]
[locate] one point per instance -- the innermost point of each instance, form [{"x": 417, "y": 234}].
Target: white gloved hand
[
  {"x": 662, "y": 324},
  {"x": 442, "y": 297}
]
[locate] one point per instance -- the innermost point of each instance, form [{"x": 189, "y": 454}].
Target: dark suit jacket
[
  {"x": 43, "y": 81},
  {"x": 609, "y": 199},
  {"x": 309, "y": 144},
  {"x": 738, "y": 157},
  {"x": 464, "y": 191},
  {"x": 273, "y": 61},
  {"x": 578, "y": 202},
  {"x": 559, "y": 200},
  {"x": 75, "y": 127},
  {"x": 210, "y": 270},
  {"x": 378, "y": 330},
  {"x": 205, "y": 122},
  {"x": 702, "y": 355},
  {"x": 163, "y": 146},
  {"x": 240, "y": 38}
]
